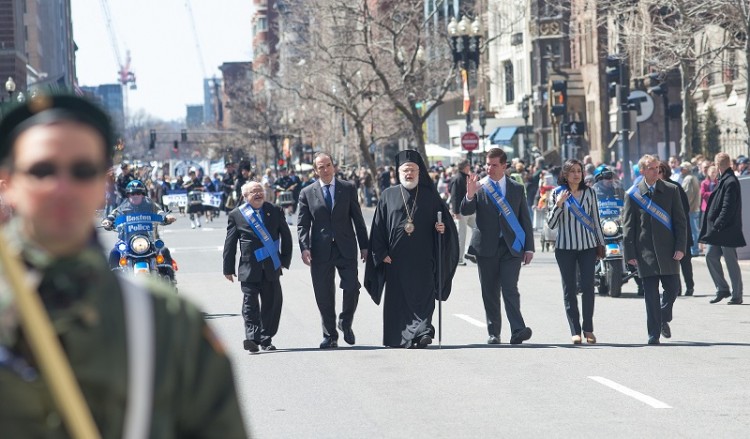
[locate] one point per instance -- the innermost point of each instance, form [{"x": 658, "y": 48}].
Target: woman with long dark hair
[{"x": 573, "y": 211}]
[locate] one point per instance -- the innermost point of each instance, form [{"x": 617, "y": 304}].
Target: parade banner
[{"x": 180, "y": 199}]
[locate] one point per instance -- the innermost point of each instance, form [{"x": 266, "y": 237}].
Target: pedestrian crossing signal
[{"x": 175, "y": 146}]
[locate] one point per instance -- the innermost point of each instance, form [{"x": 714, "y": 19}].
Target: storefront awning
[{"x": 502, "y": 135}]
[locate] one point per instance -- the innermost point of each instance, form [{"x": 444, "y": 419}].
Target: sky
[{"x": 162, "y": 47}]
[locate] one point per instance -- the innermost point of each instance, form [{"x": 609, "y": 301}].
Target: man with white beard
[{"x": 404, "y": 240}]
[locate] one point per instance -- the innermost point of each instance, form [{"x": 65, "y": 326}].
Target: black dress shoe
[
  {"x": 329, "y": 343},
  {"x": 735, "y": 302},
  {"x": 689, "y": 291},
  {"x": 251, "y": 346},
  {"x": 471, "y": 258},
  {"x": 666, "y": 331},
  {"x": 348, "y": 333},
  {"x": 653, "y": 340},
  {"x": 493, "y": 339},
  {"x": 721, "y": 295},
  {"x": 424, "y": 341},
  {"x": 462, "y": 263},
  {"x": 268, "y": 347},
  {"x": 520, "y": 336}
]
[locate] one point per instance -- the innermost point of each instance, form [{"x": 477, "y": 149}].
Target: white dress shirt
[{"x": 331, "y": 187}]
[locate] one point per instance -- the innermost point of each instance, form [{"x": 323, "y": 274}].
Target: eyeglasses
[{"x": 81, "y": 172}]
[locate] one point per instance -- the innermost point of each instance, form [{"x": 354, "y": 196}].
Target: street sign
[
  {"x": 576, "y": 128},
  {"x": 469, "y": 141},
  {"x": 646, "y": 104}
]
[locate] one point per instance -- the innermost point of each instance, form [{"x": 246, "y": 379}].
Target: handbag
[
  {"x": 600, "y": 252},
  {"x": 230, "y": 203}
]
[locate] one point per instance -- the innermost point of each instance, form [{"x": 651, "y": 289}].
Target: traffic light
[
  {"x": 152, "y": 139},
  {"x": 674, "y": 111},
  {"x": 656, "y": 84},
  {"x": 614, "y": 73},
  {"x": 183, "y": 135},
  {"x": 282, "y": 162},
  {"x": 559, "y": 96},
  {"x": 175, "y": 146}
]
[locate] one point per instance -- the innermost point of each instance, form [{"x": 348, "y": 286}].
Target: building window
[
  {"x": 509, "y": 82},
  {"x": 730, "y": 66}
]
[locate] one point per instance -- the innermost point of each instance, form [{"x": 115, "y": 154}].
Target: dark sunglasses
[{"x": 78, "y": 171}]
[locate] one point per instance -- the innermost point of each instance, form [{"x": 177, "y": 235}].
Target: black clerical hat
[
  {"x": 410, "y": 155},
  {"x": 43, "y": 109}
]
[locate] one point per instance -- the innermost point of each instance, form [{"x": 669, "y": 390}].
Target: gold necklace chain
[{"x": 409, "y": 227}]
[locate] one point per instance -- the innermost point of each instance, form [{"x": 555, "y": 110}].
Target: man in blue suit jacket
[
  {"x": 501, "y": 243},
  {"x": 329, "y": 213}
]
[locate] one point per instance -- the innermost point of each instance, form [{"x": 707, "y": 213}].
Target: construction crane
[
  {"x": 126, "y": 77},
  {"x": 195, "y": 36}
]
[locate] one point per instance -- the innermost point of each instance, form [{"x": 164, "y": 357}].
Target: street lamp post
[
  {"x": 482, "y": 121},
  {"x": 10, "y": 87},
  {"x": 465, "y": 37},
  {"x": 524, "y": 152}
]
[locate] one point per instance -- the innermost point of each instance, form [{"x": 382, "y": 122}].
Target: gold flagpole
[{"x": 47, "y": 350}]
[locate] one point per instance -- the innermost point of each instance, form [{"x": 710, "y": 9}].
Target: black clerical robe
[{"x": 411, "y": 280}]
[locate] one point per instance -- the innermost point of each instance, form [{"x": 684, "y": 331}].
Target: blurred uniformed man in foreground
[{"x": 145, "y": 361}]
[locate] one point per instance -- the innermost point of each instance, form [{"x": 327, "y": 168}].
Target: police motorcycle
[
  {"x": 141, "y": 252},
  {"x": 610, "y": 273}
]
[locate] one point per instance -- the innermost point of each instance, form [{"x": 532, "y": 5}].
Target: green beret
[{"x": 45, "y": 109}]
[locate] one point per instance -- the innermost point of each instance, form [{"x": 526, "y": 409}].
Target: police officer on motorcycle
[{"x": 137, "y": 202}]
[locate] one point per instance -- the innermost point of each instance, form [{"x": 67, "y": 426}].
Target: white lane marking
[
  {"x": 471, "y": 320},
  {"x": 653, "y": 402}
]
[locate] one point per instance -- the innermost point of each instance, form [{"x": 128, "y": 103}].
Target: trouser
[
  {"x": 713, "y": 261},
  {"x": 323, "y": 279},
  {"x": 499, "y": 274},
  {"x": 261, "y": 310},
  {"x": 463, "y": 222},
  {"x": 686, "y": 266},
  {"x": 659, "y": 307},
  {"x": 585, "y": 261},
  {"x": 695, "y": 225}
]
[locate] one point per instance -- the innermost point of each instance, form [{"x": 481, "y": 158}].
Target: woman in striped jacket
[{"x": 574, "y": 213}]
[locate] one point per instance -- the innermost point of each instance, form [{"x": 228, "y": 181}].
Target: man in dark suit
[
  {"x": 722, "y": 230},
  {"x": 258, "y": 226},
  {"x": 501, "y": 242},
  {"x": 329, "y": 213},
  {"x": 655, "y": 238}
]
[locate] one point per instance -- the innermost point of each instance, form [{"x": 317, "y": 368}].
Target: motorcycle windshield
[
  {"x": 137, "y": 224},
  {"x": 610, "y": 198}
]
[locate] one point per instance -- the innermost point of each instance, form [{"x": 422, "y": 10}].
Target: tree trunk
[
  {"x": 364, "y": 148},
  {"x": 686, "y": 147}
]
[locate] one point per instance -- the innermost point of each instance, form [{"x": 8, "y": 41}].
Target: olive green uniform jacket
[{"x": 193, "y": 396}]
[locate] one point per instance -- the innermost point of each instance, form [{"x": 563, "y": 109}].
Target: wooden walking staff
[
  {"x": 440, "y": 283},
  {"x": 47, "y": 350}
]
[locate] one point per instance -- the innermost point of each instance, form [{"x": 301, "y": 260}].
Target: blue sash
[
  {"x": 577, "y": 210},
  {"x": 270, "y": 248},
  {"x": 652, "y": 208},
  {"x": 502, "y": 206}
]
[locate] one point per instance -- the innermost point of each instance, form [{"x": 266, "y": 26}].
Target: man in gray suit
[
  {"x": 655, "y": 236},
  {"x": 329, "y": 213},
  {"x": 502, "y": 241}
]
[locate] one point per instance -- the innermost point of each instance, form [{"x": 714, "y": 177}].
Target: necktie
[
  {"x": 650, "y": 191},
  {"x": 327, "y": 195}
]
